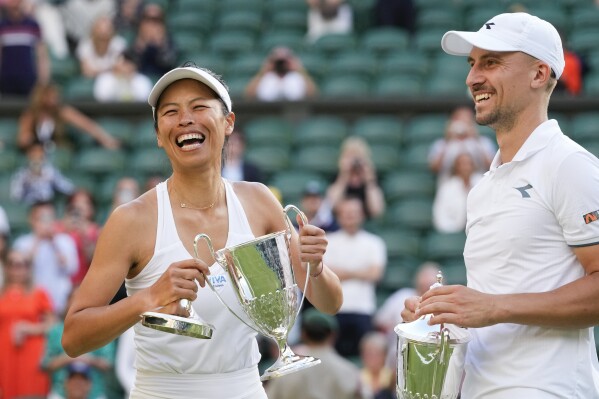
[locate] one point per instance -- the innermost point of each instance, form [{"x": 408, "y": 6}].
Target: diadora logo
[
  {"x": 523, "y": 191},
  {"x": 218, "y": 281},
  {"x": 488, "y": 24},
  {"x": 591, "y": 217}
]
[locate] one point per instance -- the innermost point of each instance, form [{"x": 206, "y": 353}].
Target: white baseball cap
[
  {"x": 198, "y": 74},
  {"x": 517, "y": 31}
]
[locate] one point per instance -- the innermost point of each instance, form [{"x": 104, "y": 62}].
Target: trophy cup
[
  {"x": 430, "y": 359},
  {"x": 262, "y": 277}
]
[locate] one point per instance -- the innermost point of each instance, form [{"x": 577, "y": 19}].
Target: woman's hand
[
  {"x": 179, "y": 281},
  {"x": 313, "y": 245}
]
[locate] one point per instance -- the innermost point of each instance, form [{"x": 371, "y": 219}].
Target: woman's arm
[
  {"x": 26, "y": 133},
  {"x": 74, "y": 117},
  {"x": 125, "y": 245}
]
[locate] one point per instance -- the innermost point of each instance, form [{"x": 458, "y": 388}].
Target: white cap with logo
[
  {"x": 511, "y": 32},
  {"x": 194, "y": 73}
]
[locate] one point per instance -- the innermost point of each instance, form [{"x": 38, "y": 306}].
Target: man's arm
[{"x": 573, "y": 305}]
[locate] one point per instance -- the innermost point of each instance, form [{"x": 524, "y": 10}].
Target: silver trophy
[
  {"x": 430, "y": 359},
  {"x": 191, "y": 326},
  {"x": 261, "y": 274}
]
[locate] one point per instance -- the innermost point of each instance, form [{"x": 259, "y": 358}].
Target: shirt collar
[{"x": 538, "y": 139}]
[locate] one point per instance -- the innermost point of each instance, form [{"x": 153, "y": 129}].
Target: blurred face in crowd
[
  {"x": 17, "y": 269},
  {"x": 310, "y": 204},
  {"x": 425, "y": 278},
  {"x": 42, "y": 219},
  {"x": 235, "y": 147},
  {"x": 373, "y": 351},
  {"x": 82, "y": 205},
  {"x": 350, "y": 215},
  {"x": 77, "y": 386},
  {"x": 463, "y": 165}
]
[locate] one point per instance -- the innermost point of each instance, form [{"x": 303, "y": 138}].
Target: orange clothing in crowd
[
  {"x": 20, "y": 372},
  {"x": 571, "y": 78}
]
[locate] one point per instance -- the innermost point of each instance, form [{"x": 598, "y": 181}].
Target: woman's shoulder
[
  {"x": 136, "y": 213},
  {"x": 259, "y": 202}
]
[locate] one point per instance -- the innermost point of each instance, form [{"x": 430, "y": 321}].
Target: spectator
[
  {"x": 25, "y": 316},
  {"x": 461, "y": 134},
  {"x": 281, "y": 77},
  {"x": 79, "y": 223},
  {"x": 125, "y": 190},
  {"x": 46, "y": 118},
  {"x": 152, "y": 181},
  {"x": 449, "y": 205},
  {"x": 123, "y": 83},
  {"x": 127, "y": 16},
  {"x": 24, "y": 57},
  {"x": 327, "y": 17},
  {"x": 356, "y": 177},
  {"x": 317, "y": 208},
  {"x": 78, "y": 382},
  {"x": 358, "y": 258},
  {"x": 153, "y": 49},
  {"x": 49, "y": 18},
  {"x": 236, "y": 167},
  {"x": 389, "y": 314},
  {"x": 336, "y": 377},
  {"x": 60, "y": 366},
  {"x": 53, "y": 255},
  {"x": 4, "y": 236},
  {"x": 39, "y": 180},
  {"x": 571, "y": 81},
  {"x": 99, "y": 52},
  {"x": 375, "y": 375},
  {"x": 397, "y": 13},
  {"x": 79, "y": 17}
]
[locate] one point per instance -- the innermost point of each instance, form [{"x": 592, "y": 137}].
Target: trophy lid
[{"x": 420, "y": 331}]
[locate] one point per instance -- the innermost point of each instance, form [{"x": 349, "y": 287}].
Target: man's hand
[{"x": 459, "y": 305}]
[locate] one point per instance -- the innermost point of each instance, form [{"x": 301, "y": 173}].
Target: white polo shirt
[
  {"x": 354, "y": 252},
  {"x": 523, "y": 218}
]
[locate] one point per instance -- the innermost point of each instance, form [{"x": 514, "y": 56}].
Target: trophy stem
[{"x": 288, "y": 362}]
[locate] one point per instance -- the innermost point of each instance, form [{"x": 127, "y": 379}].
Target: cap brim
[
  {"x": 188, "y": 73},
  {"x": 461, "y": 43}
]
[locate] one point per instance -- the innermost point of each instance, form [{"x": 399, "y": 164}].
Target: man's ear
[{"x": 542, "y": 75}]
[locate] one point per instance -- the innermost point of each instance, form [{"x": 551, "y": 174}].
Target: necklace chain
[{"x": 187, "y": 206}]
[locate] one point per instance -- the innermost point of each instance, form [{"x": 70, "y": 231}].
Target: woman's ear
[
  {"x": 230, "y": 121},
  {"x": 158, "y": 140}
]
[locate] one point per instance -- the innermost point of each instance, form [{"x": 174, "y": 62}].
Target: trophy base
[
  {"x": 289, "y": 365},
  {"x": 177, "y": 325}
]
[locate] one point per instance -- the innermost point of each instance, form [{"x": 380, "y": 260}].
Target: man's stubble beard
[{"x": 498, "y": 119}]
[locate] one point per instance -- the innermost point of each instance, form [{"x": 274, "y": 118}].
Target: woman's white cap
[
  {"x": 517, "y": 31},
  {"x": 189, "y": 73}
]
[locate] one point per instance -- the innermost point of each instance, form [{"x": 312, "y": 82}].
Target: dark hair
[
  {"x": 40, "y": 204},
  {"x": 191, "y": 64},
  {"x": 318, "y": 327}
]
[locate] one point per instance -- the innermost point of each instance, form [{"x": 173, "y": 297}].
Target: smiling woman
[{"x": 148, "y": 242}]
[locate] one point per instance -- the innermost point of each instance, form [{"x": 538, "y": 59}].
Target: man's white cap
[
  {"x": 517, "y": 31},
  {"x": 189, "y": 73}
]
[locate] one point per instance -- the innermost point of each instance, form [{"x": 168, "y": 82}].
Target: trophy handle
[
  {"x": 290, "y": 226},
  {"x": 211, "y": 248}
]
